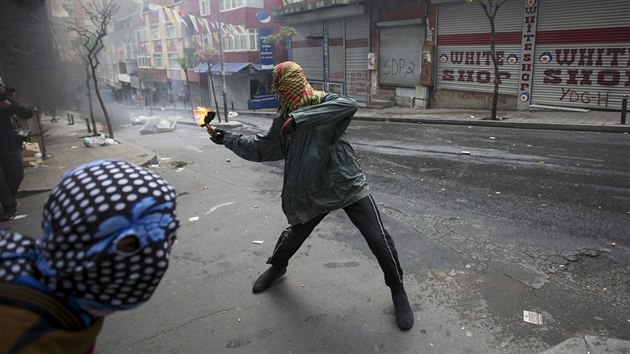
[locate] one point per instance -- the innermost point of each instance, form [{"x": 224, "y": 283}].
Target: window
[
  {"x": 233, "y": 4},
  {"x": 144, "y": 61},
  {"x": 204, "y": 7},
  {"x": 241, "y": 42},
  {"x": 173, "y": 61},
  {"x": 253, "y": 39},
  {"x": 170, "y": 31},
  {"x": 155, "y": 32},
  {"x": 206, "y": 40},
  {"x": 141, "y": 35},
  {"x": 157, "y": 60}
]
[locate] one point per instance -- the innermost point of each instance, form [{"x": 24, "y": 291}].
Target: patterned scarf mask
[
  {"x": 108, "y": 231},
  {"x": 294, "y": 90}
]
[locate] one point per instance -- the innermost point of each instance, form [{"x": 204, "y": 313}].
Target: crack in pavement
[{"x": 182, "y": 325}]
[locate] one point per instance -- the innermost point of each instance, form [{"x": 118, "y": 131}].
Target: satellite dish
[{"x": 263, "y": 17}]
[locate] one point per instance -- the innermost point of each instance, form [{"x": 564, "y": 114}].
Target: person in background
[
  {"x": 321, "y": 174},
  {"x": 4, "y": 102},
  {"x": 108, "y": 228},
  {"x": 11, "y": 164}
]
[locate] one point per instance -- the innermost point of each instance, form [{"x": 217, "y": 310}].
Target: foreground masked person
[
  {"x": 108, "y": 230},
  {"x": 321, "y": 174}
]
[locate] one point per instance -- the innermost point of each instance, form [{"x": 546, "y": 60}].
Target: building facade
[
  {"x": 550, "y": 52},
  {"x": 436, "y": 53},
  {"x": 149, "y": 41}
]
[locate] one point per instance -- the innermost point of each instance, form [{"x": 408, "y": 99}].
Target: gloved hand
[
  {"x": 218, "y": 138},
  {"x": 288, "y": 126}
]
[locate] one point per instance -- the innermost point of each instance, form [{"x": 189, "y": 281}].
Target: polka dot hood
[{"x": 108, "y": 230}]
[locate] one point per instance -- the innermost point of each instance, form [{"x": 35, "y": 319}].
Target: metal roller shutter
[
  {"x": 456, "y": 18},
  {"x": 582, "y": 53},
  {"x": 357, "y": 48},
  {"x": 308, "y": 52},
  {"x": 336, "y": 59},
  {"x": 463, "y": 45},
  {"x": 399, "y": 57}
]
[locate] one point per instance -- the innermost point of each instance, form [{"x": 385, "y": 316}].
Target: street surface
[{"x": 488, "y": 222}]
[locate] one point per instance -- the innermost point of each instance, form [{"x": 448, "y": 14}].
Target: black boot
[
  {"x": 267, "y": 278},
  {"x": 404, "y": 315}
]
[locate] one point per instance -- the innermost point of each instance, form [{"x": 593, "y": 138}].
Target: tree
[
  {"x": 283, "y": 36},
  {"x": 99, "y": 16},
  {"x": 490, "y": 8},
  {"x": 83, "y": 54},
  {"x": 210, "y": 56},
  {"x": 146, "y": 77},
  {"x": 183, "y": 63}
]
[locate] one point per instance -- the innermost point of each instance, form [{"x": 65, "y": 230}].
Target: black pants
[
  {"x": 11, "y": 175},
  {"x": 365, "y": 216}
]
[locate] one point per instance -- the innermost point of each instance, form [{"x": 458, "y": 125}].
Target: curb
[{"x": 484, "y": 123}]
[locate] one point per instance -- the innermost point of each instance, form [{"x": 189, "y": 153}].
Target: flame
[{"x": 200, "y": 115}]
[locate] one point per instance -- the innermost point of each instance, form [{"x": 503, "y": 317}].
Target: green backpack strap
[{"x": 42, "y": 304}]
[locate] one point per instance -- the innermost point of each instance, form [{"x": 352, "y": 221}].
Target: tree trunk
[
  {"x": 100, "y": 101},
  {"x": 214, "y": 93},
  {"x": 189, "y": 95},
  {"x": 89, "y": 94}
]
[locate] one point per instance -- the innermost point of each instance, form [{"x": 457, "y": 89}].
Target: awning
[{"x": 230, "y": 68}]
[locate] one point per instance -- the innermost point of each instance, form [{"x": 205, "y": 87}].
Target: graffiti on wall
[
  {"x": 358, "y": 82},
  {"x": 587, "y": 75},
  {"x": 479, "y": 98},
  {"x": 336, "y": 76},
  {"x": 399, "y": 67}
]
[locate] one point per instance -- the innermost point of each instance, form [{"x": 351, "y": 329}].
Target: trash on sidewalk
[
  {"x": 158, "y": 125},
  {"x": 258, "y": 242},
  {"x": 193, "y": 218},
  {"x": 31, "y": 154},
  {"x": 532, "y": 317},
  {"x": 139, "y": 120},
  {"x": 95, "y": 141},
  {"x": 465, "y": 152}
]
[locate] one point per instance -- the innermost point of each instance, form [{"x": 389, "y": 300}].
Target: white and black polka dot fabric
[{"x": 88, "y": 215}]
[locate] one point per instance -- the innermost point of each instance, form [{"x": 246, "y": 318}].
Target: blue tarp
[{"x": 266, "y": 101}]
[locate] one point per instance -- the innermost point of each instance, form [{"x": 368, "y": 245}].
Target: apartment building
[{"x": 149, "y": 41}]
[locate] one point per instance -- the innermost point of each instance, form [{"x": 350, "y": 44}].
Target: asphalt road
[{"x": 489, "y": 222}]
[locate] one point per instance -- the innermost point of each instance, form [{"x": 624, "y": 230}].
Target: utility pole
[{"x": 225, "y": 107}]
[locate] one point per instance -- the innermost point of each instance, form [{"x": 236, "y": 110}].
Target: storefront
[
  {"x": 570, "y": 53},
  {"x": 243, "y": 81},
  {"x": 332, "y": 46}
]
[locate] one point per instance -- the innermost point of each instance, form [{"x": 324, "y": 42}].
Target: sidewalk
[
  {"x": 598, "y": 121},
  {"x": 65, "y": 148}
]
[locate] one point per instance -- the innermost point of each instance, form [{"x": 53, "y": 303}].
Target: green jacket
[{"x": 321, "y": 173}]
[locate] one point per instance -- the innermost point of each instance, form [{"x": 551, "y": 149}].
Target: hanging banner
[
  {"x": 528, "y": 50},
  {"x": 266, "y": 49}
]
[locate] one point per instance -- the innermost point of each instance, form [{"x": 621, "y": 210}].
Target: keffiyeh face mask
[
  {"x": 292, "y": 87},
  {"x": 108, "y": 231}
]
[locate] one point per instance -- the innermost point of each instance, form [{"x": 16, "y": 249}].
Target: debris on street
[
  {"x": 532, "y": 317},
  {"x": 158, "y": 125},
  {"x": 258, "y": 242},
  {"x": 95, "y": 141}
]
